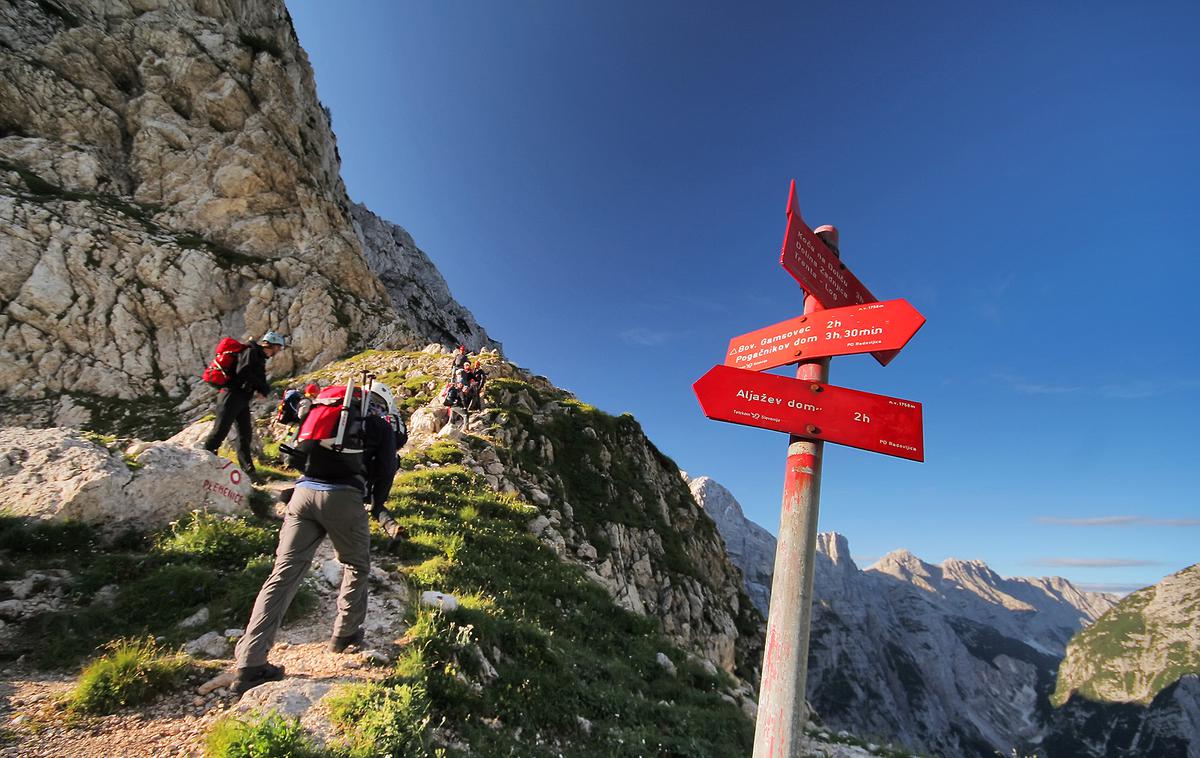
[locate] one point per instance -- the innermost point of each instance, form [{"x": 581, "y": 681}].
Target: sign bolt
[
  {"x": 812, "y": 429},
  {"x": 814, "y": 386}
]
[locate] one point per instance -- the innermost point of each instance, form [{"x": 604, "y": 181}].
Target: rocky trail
[{"x": 35, "y": 723}]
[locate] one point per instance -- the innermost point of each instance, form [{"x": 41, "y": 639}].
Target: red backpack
[
  {"x": 321, "y": 423},
  {"x": 316, "y": 451},
  {"x": 221, "y": 370}
]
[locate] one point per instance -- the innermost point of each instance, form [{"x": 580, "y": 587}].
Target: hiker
[
  {"x": 306, "y": 403},
  {"x": 460, "y": 357},
  {"x": 233, "y": 402},
  {"x": 343, "y": 450},
  {"x": 295, "y": 407},
  {"x": 383, "y": 404},
  {"x": 474, "y": 388}
]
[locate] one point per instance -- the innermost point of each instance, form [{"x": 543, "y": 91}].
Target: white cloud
[
  {"x": 643, "y": 337},
  {"x": 1093, "y": 562},
  {"x": 1113, "y": 588},
  {"x": 1118, "y": 521}
]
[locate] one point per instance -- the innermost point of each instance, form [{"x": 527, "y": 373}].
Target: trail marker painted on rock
[
  {"x": 841, "y": 317},
  {"x": 813, "y": 410},
  {"x": 881, "y": 326}
]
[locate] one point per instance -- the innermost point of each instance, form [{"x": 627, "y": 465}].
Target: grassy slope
[{"x": 538, "y": 660}]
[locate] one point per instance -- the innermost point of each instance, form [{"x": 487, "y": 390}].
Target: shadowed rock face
[
  {"x": 168, "y": 176},
  {"x": 750, "y": 547},
  {"x": 417, "y": 289}
]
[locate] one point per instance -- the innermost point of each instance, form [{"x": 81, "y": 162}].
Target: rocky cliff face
[
  {"x": 168, "y": 176},
  {"x": 1042, "y": 612},
  {"x": 750, "y": 547}
]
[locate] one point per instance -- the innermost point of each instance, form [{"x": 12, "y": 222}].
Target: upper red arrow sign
[
  {"x": 884, "y": 326},
  {"x": 814, "y": 410},
  {"x": 814, "y": 265}
]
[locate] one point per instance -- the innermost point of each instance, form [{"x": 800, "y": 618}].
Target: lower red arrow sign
[
  {"x": 886, "y": 326},
  {"x": 810, "y": 409}
]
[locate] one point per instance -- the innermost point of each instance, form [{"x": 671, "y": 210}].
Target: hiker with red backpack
[
  {"x": 345, "y": 449},
  {"x": 240, "y": 371}
]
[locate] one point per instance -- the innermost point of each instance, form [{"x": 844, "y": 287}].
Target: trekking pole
[{"x": 344, "y": 415}]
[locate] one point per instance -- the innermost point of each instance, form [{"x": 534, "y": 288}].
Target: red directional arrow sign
[
  {"x": 888, "y": 325},
  {"x": 811, "y": 409},
  {"x": 815, "y": 266}
]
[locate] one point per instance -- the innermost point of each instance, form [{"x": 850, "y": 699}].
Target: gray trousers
[{"x": 311, "y": 515}]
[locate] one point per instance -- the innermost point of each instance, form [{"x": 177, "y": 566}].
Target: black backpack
[{"x": 289, "y": 408}]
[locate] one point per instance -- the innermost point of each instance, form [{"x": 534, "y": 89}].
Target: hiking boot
[
  {"x": 339, "y": 644},
  {"x": 252, "y": 676},
  {"x": 254, "y": 476}
]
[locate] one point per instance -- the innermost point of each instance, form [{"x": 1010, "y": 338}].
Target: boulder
[
  {"x": 208, "y": 645},
  {"x": 61, "y": 474}
]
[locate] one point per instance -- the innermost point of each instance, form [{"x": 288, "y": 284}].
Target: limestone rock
[
  {"x": 197, "y": 619},
  {"x": 168, "y": 176},
  {"x": 667, "y": 665},
  {"x": 208, "y": 645},
  {"x": 417, "y": 289},
  {"x": 60, "y": 474},
  {"x": 750, "y": 547}
]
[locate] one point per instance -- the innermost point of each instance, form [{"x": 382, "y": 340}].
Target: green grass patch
[
  {"x": 265, "y": 736},
  {"x": 205, "y": 560},
  {"x": 216, "y": 540},
  {"x": 21, "y": 535},
  {"x": 442, "y": 452},
  {"x": 153, "y": 417},
  {"x": 130, "y": 673},
  {"x": 382, "y": 719},
  {"x": 535, "y": 646}
]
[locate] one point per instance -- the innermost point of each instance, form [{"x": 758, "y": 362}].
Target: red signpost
[
  {"x": 819, "y": 271},
  {"x": 841, "y": 317},
  {"x": 885, "y": 326},
  {"x": 813, "y": 410}
]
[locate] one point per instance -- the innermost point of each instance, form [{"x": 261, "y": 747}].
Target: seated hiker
[
  {"x": 295, "y": 407},
  {"x": 341, "y": 447},
  {"x": 310, "y": 394}
]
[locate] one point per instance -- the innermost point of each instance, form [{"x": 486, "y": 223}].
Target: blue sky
[{"x": 604, "y": 186}]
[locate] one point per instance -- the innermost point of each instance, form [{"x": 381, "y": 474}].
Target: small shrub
[
  {"x": 220, "y": 541},
  {"x": 267, "y": 736},
  {"x": 131, "y": 672},
  {"x": 382, "y": 720},
  {"x": 444, "y": 452}
]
